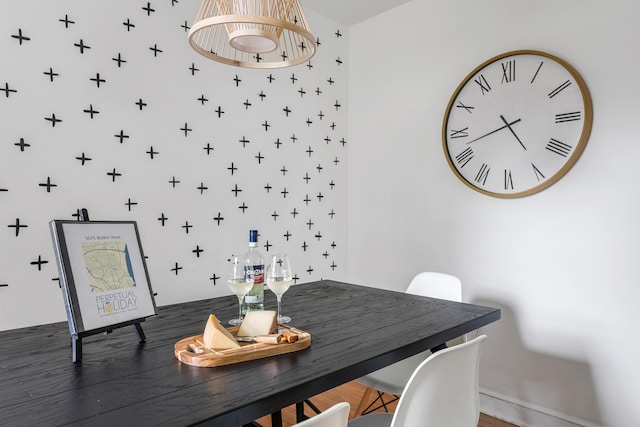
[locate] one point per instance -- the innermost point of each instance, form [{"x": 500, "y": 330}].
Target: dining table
[{"x": 355, "y": 330}]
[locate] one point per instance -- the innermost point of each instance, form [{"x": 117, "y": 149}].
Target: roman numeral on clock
[
  {"x": 568, "y": 117},
  {"x": 508, "y": 71},
  {"x": 464, "y": 157},
  {"x": 462, "y": 133},
  {"x": 483, "y": 83},
  {"x": 466, "y": 107},
  {"x": 539, "y": 175},
  {"x": 508, "y": 180},
  {"x": 558, "y": 147},
  {"x": 559, "y": 89},
  {"x": 483, "y": 173}
]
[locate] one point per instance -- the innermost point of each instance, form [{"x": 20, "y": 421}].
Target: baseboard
[{"x": 525, "y": 414}]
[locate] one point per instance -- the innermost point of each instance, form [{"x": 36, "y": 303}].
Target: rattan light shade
[{"x": 253, "y": 33}]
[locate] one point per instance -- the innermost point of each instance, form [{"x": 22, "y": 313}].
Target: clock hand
[
  {"x": 512, "y": 131},
  {"x": 507, "y": 125}
]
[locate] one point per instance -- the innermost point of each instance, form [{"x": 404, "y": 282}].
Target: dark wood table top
[{"x": 355, "y": 330}]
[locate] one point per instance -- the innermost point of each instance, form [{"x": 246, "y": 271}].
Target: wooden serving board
[{"x": 192, "y": 350}]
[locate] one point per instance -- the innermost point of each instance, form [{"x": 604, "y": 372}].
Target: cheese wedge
[
  {"x": 258, "y": 322},
  {"x": 217, "y": 337}
]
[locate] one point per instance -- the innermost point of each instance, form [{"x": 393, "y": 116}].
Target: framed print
[{"x": 103, "y": 275}]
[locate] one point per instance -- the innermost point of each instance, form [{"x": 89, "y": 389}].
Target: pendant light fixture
[{"x": 253, "y": 33}]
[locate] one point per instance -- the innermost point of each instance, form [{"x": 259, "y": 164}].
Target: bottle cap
[{"x": 253, "y": 236}]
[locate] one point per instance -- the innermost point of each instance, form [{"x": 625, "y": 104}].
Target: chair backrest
[
  {"x": 443, "y": 390},
  {"x": 336, "y": 416},
  {"x": 436, "y": 285}
]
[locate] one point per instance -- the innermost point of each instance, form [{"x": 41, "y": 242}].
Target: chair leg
[{"x": 363, "y": 402}]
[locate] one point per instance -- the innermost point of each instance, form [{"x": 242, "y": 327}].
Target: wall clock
[{"x": 517, "y": 123}]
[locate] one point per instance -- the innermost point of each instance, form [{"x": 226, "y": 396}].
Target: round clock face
[{"x": 517, "y": 123}]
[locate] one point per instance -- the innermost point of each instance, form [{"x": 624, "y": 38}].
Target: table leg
[{"x": 276, "y": 419}]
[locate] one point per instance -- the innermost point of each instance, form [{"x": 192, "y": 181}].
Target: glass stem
[
  {"x": 278, "y": 298},
  {"x": 240, "y": 298}
]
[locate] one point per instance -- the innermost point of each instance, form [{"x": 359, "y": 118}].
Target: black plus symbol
[
  {"x": 17, "y": 226},
  {"x": 267, "y": 246},
  {"x": 287, "y": 235},
  {"x": 232, "y": 168},
  {"x": 319, "y": 167},
  {"x": 309, "y": 66},
  {"x": 286, "y": 111},
  {"x": 237, "y": 80},
  {"x": 321, "y": 115},
  {"x": 214, "y": 278},
  {"x": 278, "y": 143},
  {"x": 294, "y": 212},
  {"x": 310, "y": 270},
  {"x": 306, "y": 177},
  {"x": 47, "y": 184},
  {"x": 208, "y": 148},
  {"x": 270, "y": 78},
  {"x": 152, "y": 153},
  {"x": 325, "y": 254},
  {"x": 121, "y": 136},
  {"x": 162, "y": 219},
  {"x": 186, "y": 227},
  {"x": 343, "y": 142},
  {"x": 309, "y": 224},
  {"x": 186, "y": 129},
  {"x": 53, "y": 120},
  {"x": 202, "y": 187},
  {"x": 293, "y": 78},
  {"x": 333, "y": 126},
  {"x": 119, "y": 60},
  {"x": 333, "y": 245},
  {"x": 246, "y": 104},
  {"x": 275, "y": 215},
  {"x": 318, "y": 236},
  {"x": 98, "y": 79},
  {"x": 218, "y": 218},
  {"x": 130, "y": 203},
  {"x": 176, "y": 269},
  {"x": 219, "y": 111},
  {"x": 243, "y": 206},
  {"x": 333, "y": 265},
  {"x": 185, "y": 26},
  {"x": 141, "y": 104},
  {"x": 284, "y": 171},
  {"x": 304, "y": 246},
  {"x": 337, "y": 105},
  {"x": 302, "y": 92},
  {"x": 327, "y": 139},
  {"x": 66, "y": 21},
  {"x": 257, "y": 57},
  {"x": 332, "y": 184},
  {"x": 8, "y": 90},
  {"x": 91, "y": 111},
  {"x": 149, "y": 10},
  {"x": 284, "y": 56},
  {"x": 339, "y": 61},
  {"x": 332, "y": 213},
  {"x": 330, "y": 81},
  {"x": 83, "y": 158},
  {"x": 267, "y": 187},
  {"x": 82, "y": 46},
  {"x": 244, "y": 141},
  {"x": 306, "y": 200},
  {"x": 51, "y": 74},
  {"x": 193, "y": 69},
  {"x": 318, "y": 91},
  {"x": 284, "y": 193},
  {"x": 114, "y": 174},
  {"x": 293, "y": 138},
  {"x": 266, "y": 126},
  {"x": 155, "y": 50},
  {"x": 22, "y": 144},
  {"x": 309, "y": 122},
  {"x": 337, "y": 33},
  {"x": 262, "y": 95},
  {"x": 236, "y": 190},
  {"x": 259, "y": 157},
  {"x": 309, "y": 151},
  {"x": 20, "y": 37},
  {"x": 197, "y": 251},
  {"x": 128, "y": 24},
  {"x": 202, "y": 99},
  {"x": 39, "y": 262},
  {"x": 173, "y": 182}
]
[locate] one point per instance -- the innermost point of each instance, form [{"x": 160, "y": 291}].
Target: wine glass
[
  {"x": 240, "y": 281},
  {"x": 279, "y": 278}
]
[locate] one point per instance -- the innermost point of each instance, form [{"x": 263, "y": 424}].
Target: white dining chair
[
  {"x": 392, "y": 379},
  {"x": 443, "y": 391},
  {"x": 336, "y": 416}
]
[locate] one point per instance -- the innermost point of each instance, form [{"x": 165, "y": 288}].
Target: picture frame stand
[{"x": 71, "y": 278}]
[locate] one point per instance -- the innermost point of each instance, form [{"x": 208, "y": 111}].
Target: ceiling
[{"x": 350, "y": 12}]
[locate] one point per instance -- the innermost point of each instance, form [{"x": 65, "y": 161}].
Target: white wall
[
  {"x": 562, "y": 264},
  {"x": 29, "y": 294}
]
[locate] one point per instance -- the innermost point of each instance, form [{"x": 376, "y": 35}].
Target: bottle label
[{"x": 256, "y": 294}]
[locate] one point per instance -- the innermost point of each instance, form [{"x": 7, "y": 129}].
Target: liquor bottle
[{"x": 254, "y": 300}]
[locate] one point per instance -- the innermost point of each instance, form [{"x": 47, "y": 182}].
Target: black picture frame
[{"x": 103, "y": 276}]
